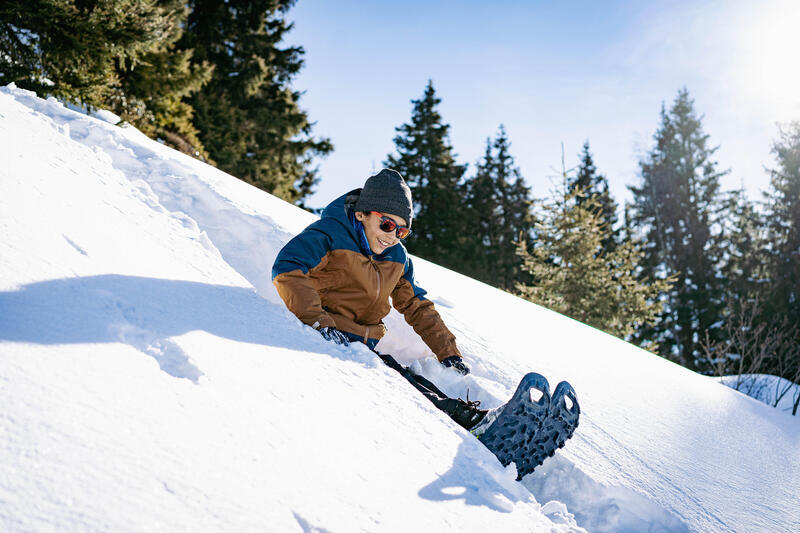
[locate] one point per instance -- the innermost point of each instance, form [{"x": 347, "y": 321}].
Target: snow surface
[
  {"x": 152, "y": 380},
  {"x": 771, "y": 390}
]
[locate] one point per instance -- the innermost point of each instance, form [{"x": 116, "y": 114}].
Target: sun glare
[{"x": 769, "y": 69}]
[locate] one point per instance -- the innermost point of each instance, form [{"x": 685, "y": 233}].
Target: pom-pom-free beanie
[{"x": 386, "y": 192}]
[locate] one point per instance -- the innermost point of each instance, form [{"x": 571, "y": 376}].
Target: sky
[{"x": 551, "y": 73}]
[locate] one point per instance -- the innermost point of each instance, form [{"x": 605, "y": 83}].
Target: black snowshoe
[{"x": 526, "y": 432}]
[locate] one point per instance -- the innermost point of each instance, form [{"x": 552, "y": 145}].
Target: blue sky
[{"x": 551, "y": 72}]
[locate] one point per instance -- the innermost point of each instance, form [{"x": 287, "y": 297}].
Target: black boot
[{"x": 465, "y": 414}]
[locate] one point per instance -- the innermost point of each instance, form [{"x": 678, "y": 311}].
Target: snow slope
[
  {"x": 151, "y": 379},
  {"x": 771, "y": 390}
]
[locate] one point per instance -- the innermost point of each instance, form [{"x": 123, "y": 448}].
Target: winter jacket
[{"x": 328, "y": 276}]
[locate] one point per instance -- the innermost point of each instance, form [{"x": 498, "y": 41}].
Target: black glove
[
  {"x": 455, "y": 361},
  {"x": 333, "y": 334}
]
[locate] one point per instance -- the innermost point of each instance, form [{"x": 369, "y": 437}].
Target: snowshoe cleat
[
  {"x": 564, "y": 411},
  {"x": 527, "y": 431}
]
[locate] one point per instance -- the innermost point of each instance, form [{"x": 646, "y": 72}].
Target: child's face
[{"x": 379, "y": 240}]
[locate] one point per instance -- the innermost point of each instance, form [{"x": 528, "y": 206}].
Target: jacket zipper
[
  {"x": 377, "y": 295},
  {"x": 378, "y": 277}
]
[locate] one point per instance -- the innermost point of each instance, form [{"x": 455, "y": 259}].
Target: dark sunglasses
[{"x": 388, "y": 225}]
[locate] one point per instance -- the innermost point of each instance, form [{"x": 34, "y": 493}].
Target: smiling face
[{"x": 379, "y": 240}]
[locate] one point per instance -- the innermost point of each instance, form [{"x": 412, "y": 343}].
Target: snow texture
[
  {"x": 772, "y": 390},
  {"x": 152, "y": 380}
]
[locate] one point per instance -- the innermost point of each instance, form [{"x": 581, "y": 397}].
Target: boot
[{"x": 466, "y": 414}]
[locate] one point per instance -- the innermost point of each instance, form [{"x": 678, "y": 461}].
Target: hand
[
  {"x": 455, "y": 362},
  {"x": 333, "y": 334}
]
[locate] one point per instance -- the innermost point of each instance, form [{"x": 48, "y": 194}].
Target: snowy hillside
[{"x": 152, "y": 380}]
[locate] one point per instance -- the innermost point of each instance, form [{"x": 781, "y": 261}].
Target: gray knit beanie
[{"x": 386, "y": 192}]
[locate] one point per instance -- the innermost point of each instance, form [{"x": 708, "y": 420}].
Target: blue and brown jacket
[{"x": 328, "y": 276}]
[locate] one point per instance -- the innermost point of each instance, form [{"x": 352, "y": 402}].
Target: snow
[
  {"x": 772, "y": 390},
  {"x": 151, "y": 378}
]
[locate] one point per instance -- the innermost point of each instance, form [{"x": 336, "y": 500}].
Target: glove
[
  {"x": 455, "y": 362},
  {"x": 333, "y": 334}
]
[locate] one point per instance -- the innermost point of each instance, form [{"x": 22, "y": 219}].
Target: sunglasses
[{"x": 388, "y": 225}]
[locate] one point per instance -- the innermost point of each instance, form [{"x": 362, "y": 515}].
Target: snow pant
[{"x": 467, "y": 415}]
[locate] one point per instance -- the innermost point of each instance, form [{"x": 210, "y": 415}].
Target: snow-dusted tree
[{"x": 575, "y": 276}]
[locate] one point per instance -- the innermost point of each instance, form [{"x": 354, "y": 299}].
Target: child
[{"x": 337, "y": 276}]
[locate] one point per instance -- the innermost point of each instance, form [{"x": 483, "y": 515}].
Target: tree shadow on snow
[{"x": 145, "y": 313}]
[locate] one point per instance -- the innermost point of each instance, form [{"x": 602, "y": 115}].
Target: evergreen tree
[
  {"x": 70, "y": 48},
  {"x": 677, "y": 207},
  {"x": 593, "y": 184},
  {"x": 783, "y": 226},
  {"x": 574, "y": 276},
  {"x": 499, "y": 205},
  {"x": 152, "y": 93},
  {"x": 114, "y": 54},
  {"x": 248, "y": 116},
  {"x": 483, "y": 205},
  {"x": 426, "y": 160},
  {"x": 744, "y": 246}
]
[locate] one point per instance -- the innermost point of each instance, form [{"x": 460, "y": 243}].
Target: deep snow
[{"x": 151, "y": 378}]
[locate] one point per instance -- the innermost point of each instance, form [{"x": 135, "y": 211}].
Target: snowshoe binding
[{"x": 527, "y": 431}]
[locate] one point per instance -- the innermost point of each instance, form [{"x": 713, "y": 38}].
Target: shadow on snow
[{"x": 145, "y": 313}]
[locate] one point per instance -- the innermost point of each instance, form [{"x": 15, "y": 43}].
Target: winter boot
[
  {"x": 465, "y": 413},
  {"x": 526, "y": 432}
]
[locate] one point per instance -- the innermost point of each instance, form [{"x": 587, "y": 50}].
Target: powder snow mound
[{"x": 151, "y": 378}]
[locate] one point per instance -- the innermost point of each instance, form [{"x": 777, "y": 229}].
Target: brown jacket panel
[
  {"x": 328, "y": 276},
  {"x": 425, "y": 319},
  {"x": 347, "y": 290},
  {"x": 351, "y": 292}
]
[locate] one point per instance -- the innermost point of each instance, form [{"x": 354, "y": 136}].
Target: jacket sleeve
[
  {"x": 421, "y": 314},
  {"x": 290, "y": 275}
]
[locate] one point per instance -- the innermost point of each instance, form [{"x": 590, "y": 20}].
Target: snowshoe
[
  {"x": 526, "y": 431},
  {"x": 564, "y": 411}
]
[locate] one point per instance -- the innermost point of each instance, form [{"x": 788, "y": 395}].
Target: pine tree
[
  {"x": 426, "y": 160},
  {"x": 499, "y": 204},
  {"x": 745, "y": 245},
  {"x": 112, "y": 54},
  {"x": 483, "y": 206},
  {"x": 152, "y": 92},
  {"x": 70, "y": 48},
  {"x": 248, "y": 116},
  {"x": 574, "y": 276},
  {"x": 783, "y": 227},
  {"x": 593, "y": 184},
  {"x": 743, "y": 248},
  {"x": 677, "y": 207}
]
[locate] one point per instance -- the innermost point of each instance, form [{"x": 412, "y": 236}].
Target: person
[{"x": 339, "y": 273}]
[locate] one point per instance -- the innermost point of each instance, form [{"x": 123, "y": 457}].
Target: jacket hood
[{"x": 342, "y": 210}]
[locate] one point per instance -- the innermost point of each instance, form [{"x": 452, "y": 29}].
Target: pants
[
  {"x": 467, "y": 415},
  {"x": 428, "y": 389}
]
